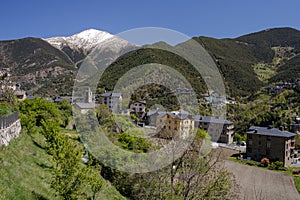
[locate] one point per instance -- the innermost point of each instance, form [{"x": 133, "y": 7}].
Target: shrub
[
  {"x": 251, "y": 163},
  {"x": 265, "y": 162},
  {"x": 276, "y": 166}
]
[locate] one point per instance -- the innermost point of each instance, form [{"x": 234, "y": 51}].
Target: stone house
[
  {"x": 151, "y": 117},
  {"x": 138, "y": 108},
  {"x": 174, "y": 124},
  {"x": 272, "y": 143}
]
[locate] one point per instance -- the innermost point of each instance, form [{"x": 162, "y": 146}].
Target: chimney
[
  {"x": 270, "y": 127},
  {"x": 281, "y": 128}
]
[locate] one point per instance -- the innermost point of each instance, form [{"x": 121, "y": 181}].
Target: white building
[
  {"x": 112, "y": 101},
  {"x": 88, "y": 103}
]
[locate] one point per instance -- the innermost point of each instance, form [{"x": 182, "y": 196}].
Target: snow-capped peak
[{"x": 85, "y": 40}]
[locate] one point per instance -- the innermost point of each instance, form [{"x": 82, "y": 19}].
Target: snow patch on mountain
[{"x": 85, "y": 40}]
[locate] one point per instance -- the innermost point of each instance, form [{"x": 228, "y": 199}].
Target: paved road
[
  {"x": 257, "y": 183},
  {"x": 234, "y": 147}
]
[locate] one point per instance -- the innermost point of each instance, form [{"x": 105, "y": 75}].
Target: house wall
[
  {"x": 151, "y": 120},
  {"x": 218, "y": 132},
  {"x": 113, "y": 103},
  {"x": 167, "y": 126},
  {"x": 274, "y": 148},
  {"x": 139, "y": 109},
  {"x": 170, "y": 127}
]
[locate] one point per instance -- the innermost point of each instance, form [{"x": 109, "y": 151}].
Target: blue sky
[{"x": 214, "y": 18}]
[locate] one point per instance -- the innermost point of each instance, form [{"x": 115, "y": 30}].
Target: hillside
[
  {"x": 37, "y": 66},
  {"x": 247, "y": 63},
  {"x": 237, "y": 59},
  {"x": 234, "y": 60},
  {"x": 25, "y": 172},
  {"x": 285, "y": 46}
]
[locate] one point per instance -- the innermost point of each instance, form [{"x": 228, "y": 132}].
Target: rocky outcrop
[{"x": 10, "y": 128}]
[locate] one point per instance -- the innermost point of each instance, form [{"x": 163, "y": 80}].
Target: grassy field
[{"x": 25, "y": 172}]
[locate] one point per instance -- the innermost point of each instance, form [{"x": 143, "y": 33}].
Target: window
[
  {"x": 259, "y": 142},
  {"x": 268, "y": 145},
  {"x": 250, "y": 142},
  {"x": 250, "y": 136},
  {"x": 249, "y": 150},
  {"x": 169, "y": 127}
]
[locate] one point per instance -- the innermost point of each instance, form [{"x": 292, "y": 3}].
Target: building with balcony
[
  {"x": 272, "y": 143},
  {"x": 112, "y": 101},
  {"x": 175, "y": 124},
  {"x": 219, "y": 129}
]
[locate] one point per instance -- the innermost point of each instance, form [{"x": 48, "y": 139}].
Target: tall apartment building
[{"x": 112, "y": 101}]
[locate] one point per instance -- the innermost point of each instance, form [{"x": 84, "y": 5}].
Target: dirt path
[{"x": 256, "y": 183}]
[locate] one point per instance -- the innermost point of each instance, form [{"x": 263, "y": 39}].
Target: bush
[
  {"x": 276, "y": 166},
  {"x": 265, "y": 162},
  {"x": 251, "y": 163}
]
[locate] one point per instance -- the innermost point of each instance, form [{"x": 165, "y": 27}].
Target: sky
[{"x": 212, "y": 18}]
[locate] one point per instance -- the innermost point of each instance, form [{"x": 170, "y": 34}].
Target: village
[{"x": 276, "y": 144}]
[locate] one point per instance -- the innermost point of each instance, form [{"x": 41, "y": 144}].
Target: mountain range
[{"x": 247, "y": 63}]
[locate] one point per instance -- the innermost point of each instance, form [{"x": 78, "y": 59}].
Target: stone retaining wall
[{"x": 10, "y": 128}]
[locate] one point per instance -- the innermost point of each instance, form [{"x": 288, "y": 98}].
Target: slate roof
[
  {"x": 177, "y": 115},
  {"x": 141, "y": 101},
  {"x": 211, "y": 119},
  {"x": 155, "y": 112},
  {"x": 269, "y": 132},
  {"x": 30, "y": 97},
  {"x": 111, "y": 94}
]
